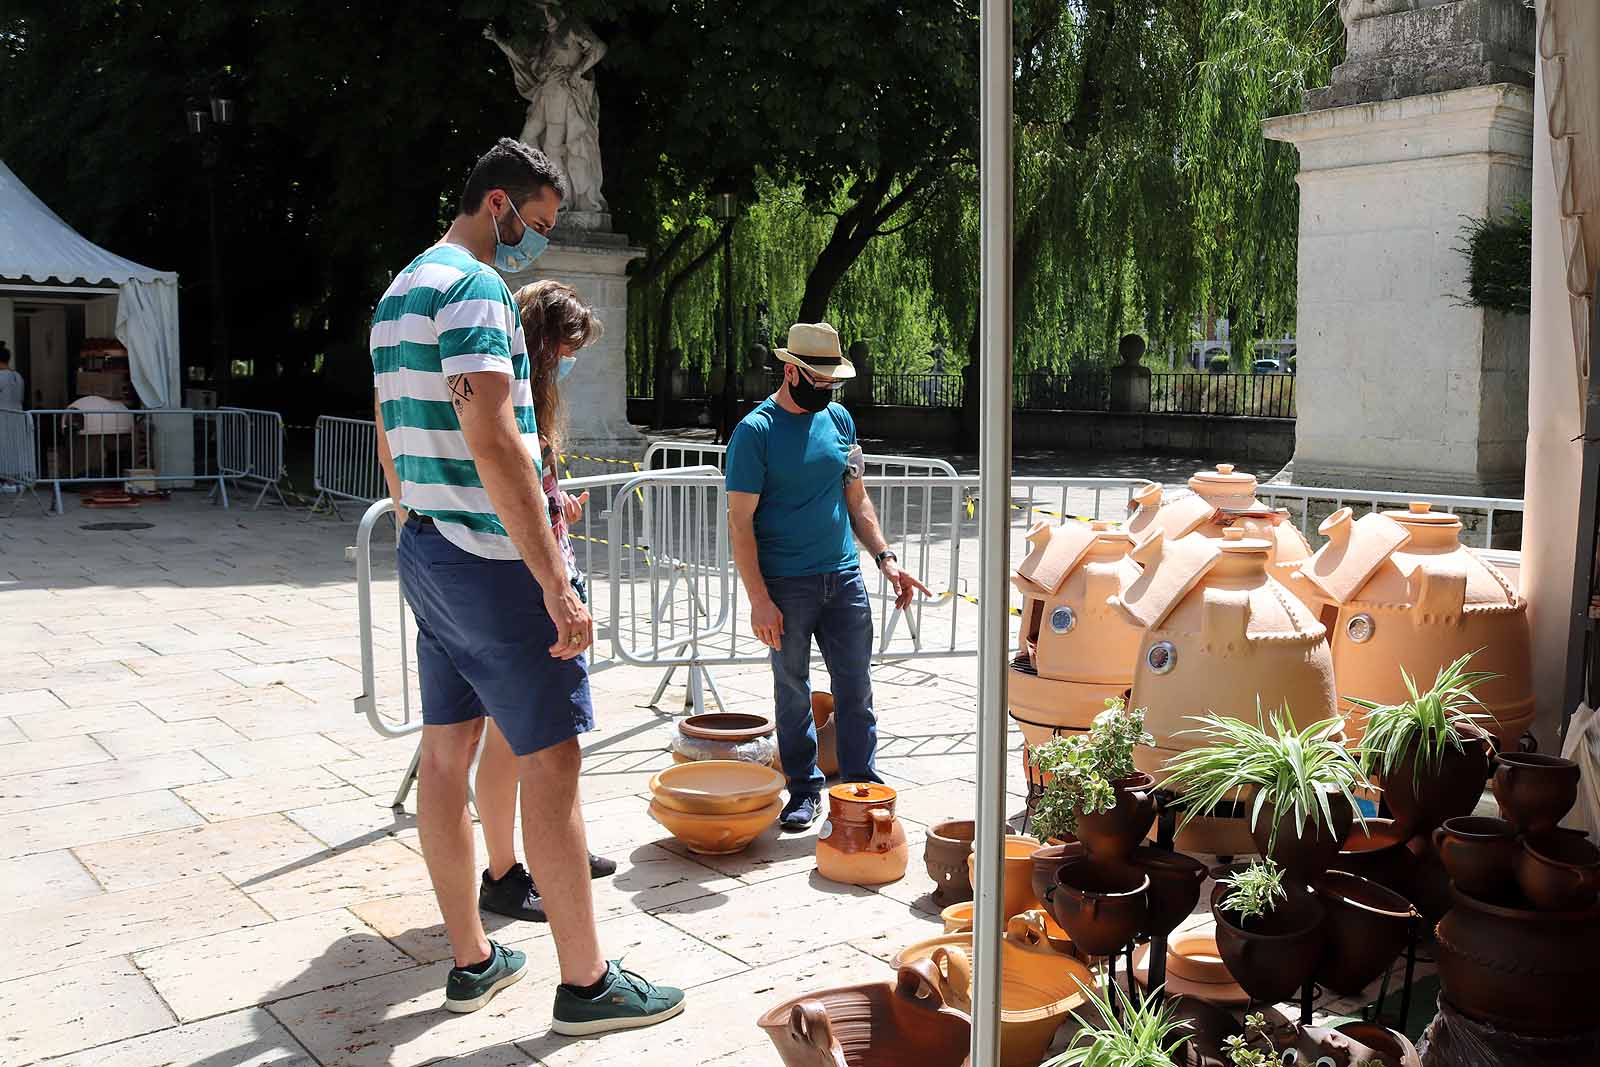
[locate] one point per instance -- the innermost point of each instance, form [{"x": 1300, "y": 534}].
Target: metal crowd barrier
[
  {"x": 75, "y": 446},
  {"x": 344, "y": 463},
  {"x": 19, "y": 460},
  {"x": 256, "y": 455}
]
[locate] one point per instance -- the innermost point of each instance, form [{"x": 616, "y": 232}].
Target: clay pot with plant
[
  {"x": 1428, "y": 752},
  {"x": 1099, "y": 903},
  {"x": 1299, "y": 784},
  {"x": 1142, "y": 1033},
  {"x": 1093, "y": 792},
  {"x": 1268, "y": 934}
]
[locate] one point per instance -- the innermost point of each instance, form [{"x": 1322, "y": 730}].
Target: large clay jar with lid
[
  {"x": 1220, "y": 634},
  {"x": 1223, "y": 499},
  {"x": 861, "y": 842},
  {"x": 1076, "y": 650},
  {"x": 1399, "y": 589}
]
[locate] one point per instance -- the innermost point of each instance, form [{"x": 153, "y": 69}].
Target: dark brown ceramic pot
[
  {"x": 1304, "y": 853},
  {"x": 1114, "y": 834},
  {"x": 1559, "y": 871},
  {"x": 1365, "y": 930},
  {"x": 1175, "y": 881},
  {"x": 1204, "y": 1040},
  {"x": 1378, "y": 851},
  {"x": 1534, "y": 791},
  {"x": 871, "y": 1025},
  {"x": 1048, "y": 860},
  {"x": 1531, "y": 972},
  {"x": 1273, "y": 956},
  {"x": 1420, "y": 804},
  {"x": 945, "y": 856},
  {"x": 1480, "y": 855},
  {"x": 1396, "y": 1048},
  {"x": 1100, "y": 905}
]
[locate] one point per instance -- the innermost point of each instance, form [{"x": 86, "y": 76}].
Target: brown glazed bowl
[
  {"x": 1175, "y": 881},
  {"x": 1378, "y": 851},
  {"x": 1559, "y": 871},
  {"x": 1480, "y": 855},
  {"x": 1365, "y": 929},
  {"x": 1113, "y": 835},
  {"x": 1303, "y": 854},
  {"x": 1100, "y": 905},
  {"x": 945, "y": 855},
  {"x": 871, "y": 1024},
  {"x": 1049, "y": 860},
  {"x": 1275, "y": 955},
  {"x": 1452, "y": 790},
  {"x": 1534, "y": 790}
]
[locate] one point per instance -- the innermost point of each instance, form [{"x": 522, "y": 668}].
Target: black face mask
[{"x": 809, "y": 396}]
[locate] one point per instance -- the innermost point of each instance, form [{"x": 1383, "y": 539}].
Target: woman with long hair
[{"x": 556, "y": 324}]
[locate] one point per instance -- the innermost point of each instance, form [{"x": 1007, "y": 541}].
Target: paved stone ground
[{"x": 200, "y": 866}]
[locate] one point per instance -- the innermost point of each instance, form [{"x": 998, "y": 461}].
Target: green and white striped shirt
[{"x": 447, "y": 314}]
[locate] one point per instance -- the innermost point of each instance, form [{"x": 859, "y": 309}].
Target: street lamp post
[
  {"x": 203, "y": 124},
  {"x": 725, "y": 209}
]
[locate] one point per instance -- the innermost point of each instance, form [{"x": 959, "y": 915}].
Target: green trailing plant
[
  {"x": 1082, "y": 768},
  {"x": 1254, "y": 892},
  {"x": 1426, "y": 726},
  {"x": 1142, "y": 1037},
  {"x": 1240, "y": 1052},
  {"x": 1499, "y": 251},
  {"x": 1293, "y": 769}
]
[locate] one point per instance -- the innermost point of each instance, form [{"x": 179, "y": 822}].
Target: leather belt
[{"x": 420, "y": 519}]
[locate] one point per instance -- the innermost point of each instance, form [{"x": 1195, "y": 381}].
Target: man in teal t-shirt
[{"x": 794, "y": 495}]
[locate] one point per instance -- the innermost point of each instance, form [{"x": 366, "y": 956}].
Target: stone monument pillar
[
  {"x": 1130, "y": 381},
  {"x": 1428, "y": 121},
  {"x": 554, "y": 71}
]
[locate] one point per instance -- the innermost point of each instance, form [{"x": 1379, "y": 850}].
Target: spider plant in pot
[
  {"x": 1148, "y": 1034},
  {"x": 1268, "y": 935},
  {"x": 1428, "y": 752},
  {"x": 1094, "y": 793},
  {"x": 1299, "y": 784}
]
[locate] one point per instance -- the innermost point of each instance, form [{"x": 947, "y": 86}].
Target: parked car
[{"x": 1266, "y": 366}]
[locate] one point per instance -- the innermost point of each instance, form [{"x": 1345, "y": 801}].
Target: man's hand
[
  {"x": 767, "y": 621},
  {"x": 572, "y": 507},
  {"x": 904, "y": 584},
  {"x": 574, "y": 627}
]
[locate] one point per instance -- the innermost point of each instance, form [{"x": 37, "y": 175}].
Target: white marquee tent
[{"x": 41, "y": 255}]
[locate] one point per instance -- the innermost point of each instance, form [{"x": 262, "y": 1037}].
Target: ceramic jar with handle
[
  {"x": 871, "y": 1023},
  {"x": 861, "y": 842}
]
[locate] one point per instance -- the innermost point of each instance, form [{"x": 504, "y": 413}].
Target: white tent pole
[{"x": 994, "y": 493}]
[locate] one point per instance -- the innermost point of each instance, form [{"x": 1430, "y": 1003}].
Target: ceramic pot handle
[
  {"x": 809, "y": 1025},
  {"x": 1438, "y": 839},
  {"x": 916, "y": 976},
  {"x": 882, "y": 823},
  {"x": 955, "y": 975},
  {"x": 1028, "y": 927}
]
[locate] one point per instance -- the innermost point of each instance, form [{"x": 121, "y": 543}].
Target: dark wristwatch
[{"x": 887, "y": 553}]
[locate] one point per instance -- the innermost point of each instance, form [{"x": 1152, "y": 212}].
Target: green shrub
[{"x": 1499, "y": 252}]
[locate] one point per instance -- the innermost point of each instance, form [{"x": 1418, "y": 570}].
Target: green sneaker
[
  {"x": 465, "y": 991},
  {"x": 629, "y": 1002}
]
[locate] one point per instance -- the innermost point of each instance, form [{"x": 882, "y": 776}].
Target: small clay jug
[
  {"x": 1271, "y": 957},
  {"x": 1534, "y": 790},
  {"x": 1175, "y": 881},
  {"x": 945, "y": 855},
  {"x": 1113, "y": 835},
  {"x": 1480, "y": 854},
  {"x": 871, "y": 1025},
  {"x": 1304, "y": 853},
  {"x": 1559, "y": 870},
  {"x": 1378, "y": 851},
  {"x": 861, "y": 842},
  {"x": 1365, "y": 929},
  {"x": 1101, "y": 905},
  {"x": 1419, "y": 804}
]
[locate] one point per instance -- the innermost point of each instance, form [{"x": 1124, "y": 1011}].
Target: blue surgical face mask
[
  {"x": 567, "y": 363},
  {"x": 518, "y": 257}
]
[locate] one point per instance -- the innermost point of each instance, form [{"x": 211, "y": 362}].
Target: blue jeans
[{"x": 834, "y": 609}]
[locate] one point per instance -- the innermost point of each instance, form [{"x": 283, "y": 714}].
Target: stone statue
[{"x": 556, "y": 77}]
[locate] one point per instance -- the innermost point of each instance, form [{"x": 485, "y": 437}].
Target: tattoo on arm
[{"x": 460, "y": 390}]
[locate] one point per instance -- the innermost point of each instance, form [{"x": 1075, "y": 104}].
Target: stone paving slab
[
  {"x": 251, "y": 1038},
  {"x": 44, "y": 878},
  {"x": 74, "y": 1008}
]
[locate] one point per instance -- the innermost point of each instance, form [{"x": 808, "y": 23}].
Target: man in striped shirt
[{"x": 500, "y": 630}]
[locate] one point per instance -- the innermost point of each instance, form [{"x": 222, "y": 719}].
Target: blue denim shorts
[{"x": 483, "y": 645}]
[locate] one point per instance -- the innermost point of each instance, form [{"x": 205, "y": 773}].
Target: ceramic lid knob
[
  {"x": 1224, "y": 468},
  {"x": 1420, "y": 507},
  {"x": 861, "y": 790},
  {"x": 1233, "y": 533}
]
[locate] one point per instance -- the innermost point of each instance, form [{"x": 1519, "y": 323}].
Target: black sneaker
[
  {"x": 513, "y": 895},
  {"x": 800, "y": 812}
]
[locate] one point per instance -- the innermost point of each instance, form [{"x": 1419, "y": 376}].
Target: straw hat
[{"x": 815, "y": 347}]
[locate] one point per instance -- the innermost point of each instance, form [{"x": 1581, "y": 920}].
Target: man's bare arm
[
  {"x": 864, "y": 517},
  {"x": 483, "y": 405},
  {"x": 391, "y": 477}
]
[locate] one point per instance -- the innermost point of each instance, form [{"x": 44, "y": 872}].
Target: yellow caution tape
[{"x": 972, "y": 511}]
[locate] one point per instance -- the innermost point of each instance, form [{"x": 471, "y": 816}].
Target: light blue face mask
[
  {"x": 520, "y": 256},
  {"x": 567, "y": 363}
]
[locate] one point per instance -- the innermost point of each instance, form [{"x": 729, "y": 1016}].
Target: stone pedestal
[
  {"x": 1402, "y": 386},
  {"x": 1130, "y": 380},
  {"x": 593, "y": 262}
]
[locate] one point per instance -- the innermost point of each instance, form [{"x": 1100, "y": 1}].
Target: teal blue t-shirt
[{"x": 797, "y": 464}]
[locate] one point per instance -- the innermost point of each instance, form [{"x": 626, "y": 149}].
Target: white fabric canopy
[{"x": 38, "y": 248}]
